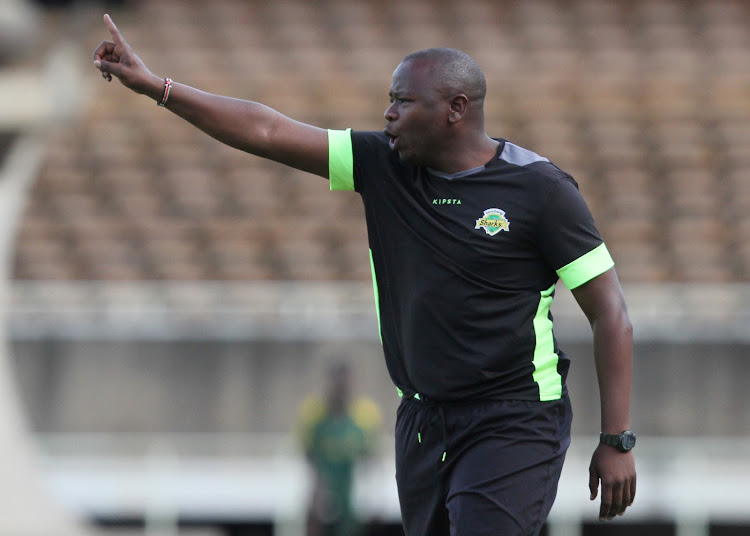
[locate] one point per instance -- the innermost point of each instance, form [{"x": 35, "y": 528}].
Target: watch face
[{"x": 627, "y": 440}]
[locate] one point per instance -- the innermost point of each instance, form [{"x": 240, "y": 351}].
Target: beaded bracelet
[{"x": 167, "y": 90}]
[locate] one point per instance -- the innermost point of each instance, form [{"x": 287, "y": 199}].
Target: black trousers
[{"x": 486, "y": 468}]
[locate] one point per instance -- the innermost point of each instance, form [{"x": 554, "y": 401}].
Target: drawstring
[{"x": 441, "y": 414}]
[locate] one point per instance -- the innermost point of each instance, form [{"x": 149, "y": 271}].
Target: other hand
[{"x": 616, "y": 471}]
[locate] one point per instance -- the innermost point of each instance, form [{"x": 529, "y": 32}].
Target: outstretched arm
[
  {"x": 602, "y": 301},
  {"x": 245, "y": 125}
]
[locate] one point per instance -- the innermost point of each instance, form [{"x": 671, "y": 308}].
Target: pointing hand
[{"x": 117, "y": 58}]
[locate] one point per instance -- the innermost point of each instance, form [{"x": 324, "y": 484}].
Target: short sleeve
[
  {"x": 311, "y": 412},
  {"x": 586, "y": 267},
  {"x": 340, "y": 160},
  {"x": 367, "y": 415},
  {"x": 568, "y": 237}
]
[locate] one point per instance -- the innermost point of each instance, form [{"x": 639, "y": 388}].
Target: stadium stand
[
  {"x": 644, "y": 102},
  {"x": 161, "y": 292}
]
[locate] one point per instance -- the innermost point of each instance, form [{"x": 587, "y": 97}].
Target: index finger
[{"x": 112, "y": 27}]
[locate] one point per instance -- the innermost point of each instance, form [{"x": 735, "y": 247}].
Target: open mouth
[{"x": 391, "y": 138}]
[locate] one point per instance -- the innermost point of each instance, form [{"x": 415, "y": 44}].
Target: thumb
[{"x": 108, "y": 67}]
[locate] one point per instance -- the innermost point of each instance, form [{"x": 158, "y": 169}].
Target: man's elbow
[
  {"x": 627, "y": 326},
  {"x": 613, "y": 319},
  {"x": 618, "y": 320}
]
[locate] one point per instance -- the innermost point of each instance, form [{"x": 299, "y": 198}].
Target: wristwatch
[{"x": 623, "y": 442}]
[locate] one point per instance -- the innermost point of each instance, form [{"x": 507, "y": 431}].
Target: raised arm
[
  {"x": 602, "y": 301},
  {"x": 245, "y": 125}
]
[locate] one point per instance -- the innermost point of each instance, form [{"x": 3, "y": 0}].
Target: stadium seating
[{"x": 646, "y": 103}]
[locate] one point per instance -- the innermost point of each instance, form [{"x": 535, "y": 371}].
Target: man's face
[{"x": 417, "y": 114}]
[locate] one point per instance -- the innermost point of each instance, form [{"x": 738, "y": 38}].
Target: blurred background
[{"x": 168, "y": 303}]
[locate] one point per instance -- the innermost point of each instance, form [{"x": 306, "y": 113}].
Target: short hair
[{"x": 456, "y": 70}]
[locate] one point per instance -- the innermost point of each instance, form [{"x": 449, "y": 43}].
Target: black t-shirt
[{"x": 465, "y": 267}]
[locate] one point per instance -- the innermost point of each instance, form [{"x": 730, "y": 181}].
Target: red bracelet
[{"x": 167, "y": 90}]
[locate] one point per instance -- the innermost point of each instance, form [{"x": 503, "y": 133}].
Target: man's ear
[{"x": 459, "y": 104}]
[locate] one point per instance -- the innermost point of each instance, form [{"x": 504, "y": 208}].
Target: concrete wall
[{"x": 256, "y": 386}]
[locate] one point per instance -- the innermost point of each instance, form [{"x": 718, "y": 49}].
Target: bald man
[{"x": 468, "y": 237}]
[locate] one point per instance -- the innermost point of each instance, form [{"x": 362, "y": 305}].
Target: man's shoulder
[
  {"x": 539, "y": 168},
  {"x": 366, "y": 413},
  {"x": 312, "y": 410},
  {"x": 374, "y": 135},
  {"x": 373, "y": 155},
  {"x": 519, "y": 156},
  {"x": 370, "y": 141}
]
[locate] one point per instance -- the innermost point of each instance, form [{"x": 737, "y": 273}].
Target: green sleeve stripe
[
  {"x": 586, "y": 267},
  {"x": 340, "y": 160},
  {"x": 377, "y": 295},
  {"x": 545, "y": 359}
]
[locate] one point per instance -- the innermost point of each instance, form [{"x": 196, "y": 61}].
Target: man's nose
[{"x": 390, "y": 113}]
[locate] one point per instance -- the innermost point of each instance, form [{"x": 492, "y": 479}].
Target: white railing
[
  {"x": 319, "y": 311},
  {"x": 688, "y": 481}
]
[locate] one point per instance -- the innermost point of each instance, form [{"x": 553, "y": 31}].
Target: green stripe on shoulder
[
  {"x": 340, "y": 160},
  {"x": 586, "y": 267}
]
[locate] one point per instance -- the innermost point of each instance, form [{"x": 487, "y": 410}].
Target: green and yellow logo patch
[{"x": 493, "y": 221}]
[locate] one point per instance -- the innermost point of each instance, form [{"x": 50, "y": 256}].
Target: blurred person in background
[
  {"x": 468, "y": 237},
  {"x": 337, "y": 432}
]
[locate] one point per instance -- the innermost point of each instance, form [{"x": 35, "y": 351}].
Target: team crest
[{"x": 493, "y": 221}]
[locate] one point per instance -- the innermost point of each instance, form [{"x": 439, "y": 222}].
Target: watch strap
[
  {"x": 623, "y": 441},
  {"x": 613, "y": 440}
]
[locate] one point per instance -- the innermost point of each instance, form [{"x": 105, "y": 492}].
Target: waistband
[
  {"x": 415, "y": 396},
  {"x": 476, "y": 401}
]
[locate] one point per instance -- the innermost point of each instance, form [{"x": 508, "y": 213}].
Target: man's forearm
[
  {"x": 613, "y": 354},
  {"x": 251, "y": 127},
  {"x": 242, "y": 124},
  {"x": 245, "y": 125}
]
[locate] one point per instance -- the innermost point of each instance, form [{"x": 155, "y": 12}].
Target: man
[
  {"x": 468, "y": 235},
  {"x": 337, "y": 432}
]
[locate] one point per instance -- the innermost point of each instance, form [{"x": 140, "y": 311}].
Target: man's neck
[{"x": 467, "y": 154}]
